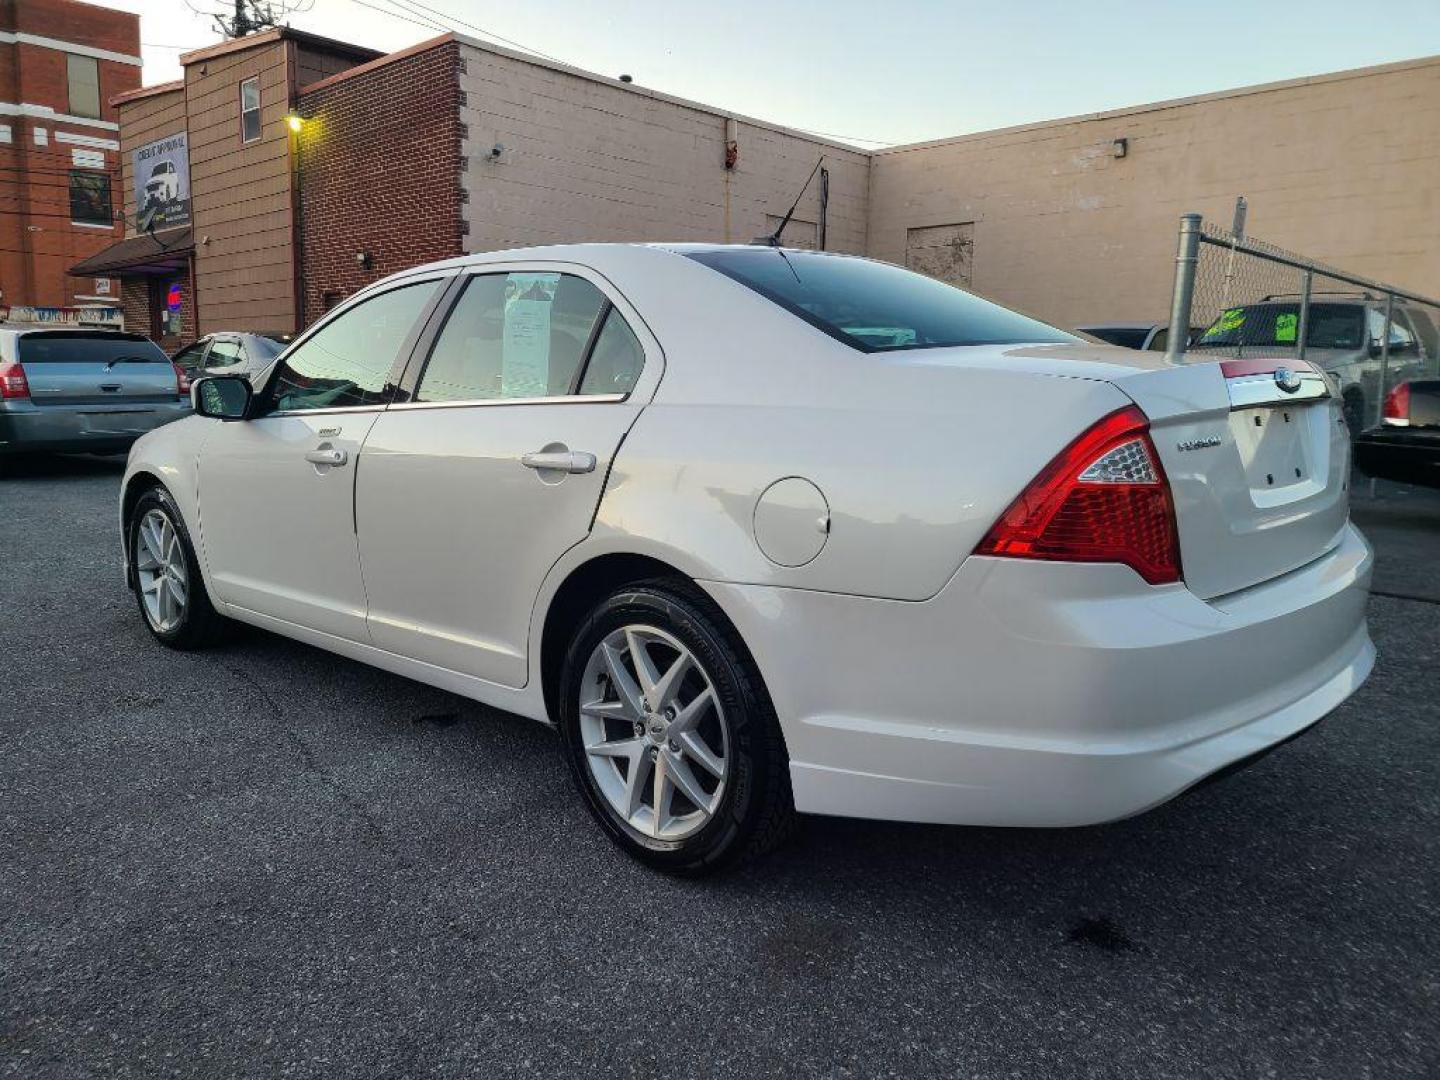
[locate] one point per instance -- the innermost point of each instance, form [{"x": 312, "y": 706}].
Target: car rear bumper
[
  {"x": 26, "y": 427},
  {"x": 1048, "y": 694}
]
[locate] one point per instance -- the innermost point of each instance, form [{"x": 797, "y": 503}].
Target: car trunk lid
[
  {"x": 69, "y": 367},
  {"x": 1256, "y": 452}
]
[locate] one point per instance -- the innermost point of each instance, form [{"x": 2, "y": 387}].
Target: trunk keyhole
[{"x": 1269, "y": 478}]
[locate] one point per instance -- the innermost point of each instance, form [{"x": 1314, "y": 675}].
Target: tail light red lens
[
  {"x": 13, "y": 383},
  {"x": 182, "y": 380},
  {"x": 1397, "y": 406},
  {"x": 1103, "y": 499}
]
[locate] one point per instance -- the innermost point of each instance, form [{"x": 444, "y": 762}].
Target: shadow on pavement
[{"x": 53, "y": 466}]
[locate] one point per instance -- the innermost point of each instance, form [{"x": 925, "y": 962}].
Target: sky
[{"x": 878, "y": 72}]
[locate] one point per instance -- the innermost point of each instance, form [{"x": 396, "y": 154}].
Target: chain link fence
[{"x": 1237, "y": 296}]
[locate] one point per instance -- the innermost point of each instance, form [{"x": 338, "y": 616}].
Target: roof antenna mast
[{"x": 773, "y": 240}]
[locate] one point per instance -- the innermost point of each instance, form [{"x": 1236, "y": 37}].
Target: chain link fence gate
[{"x": 1236, "y": 296}]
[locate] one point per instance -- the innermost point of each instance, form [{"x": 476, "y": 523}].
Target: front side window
[
  {"x": 250, "y": 110},
  {"x": 90, "y": 198},
  {"x": 82, "y": 75},
  {"x": 874, "y": 306},
  {"x": 347, "y": 362},
  {"x": 527, "y": 335},
  {"x": 1400, "y": 335},
  {"x": 192, "y": 356}
]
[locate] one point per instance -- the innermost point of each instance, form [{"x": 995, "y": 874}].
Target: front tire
[
  {"x": 670, "y": 734},
  {"x": 166, "y": 576}
]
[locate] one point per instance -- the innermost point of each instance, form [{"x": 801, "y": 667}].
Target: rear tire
[
  {"x": 166, "y": 576},
  {"x": 723, "y": 788}
]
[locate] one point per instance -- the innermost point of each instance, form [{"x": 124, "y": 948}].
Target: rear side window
[
  {"x": 874, "y": 306},
  {"x": 82, "y": 348},
  {"x": 347, "y": 362},
  {"x": 527, "y": 335},
  {"x": 223, "y": 354}
]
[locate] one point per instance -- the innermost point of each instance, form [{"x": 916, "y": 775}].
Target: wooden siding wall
[
  {"x": 143, "y": 121},
  {"x": 244, "y": 242}
]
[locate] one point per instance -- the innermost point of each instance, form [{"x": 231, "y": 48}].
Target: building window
[
  {"x": 83, "y": 76},
  {"x": 250, "y": 110},
  {"x": 90, "y": 198}
]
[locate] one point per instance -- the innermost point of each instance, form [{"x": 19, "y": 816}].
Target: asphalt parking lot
[{"x": 265, "y": 860}]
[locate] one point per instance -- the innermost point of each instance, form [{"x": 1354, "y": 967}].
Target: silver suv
[
  {"x": 1345, "y": 337},
  {"x": 88, "y": 391}
]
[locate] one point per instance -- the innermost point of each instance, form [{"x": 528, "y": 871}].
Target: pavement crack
[{"x": 306, "y": 753}]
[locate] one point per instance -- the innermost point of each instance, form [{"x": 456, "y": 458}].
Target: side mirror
[{"x": 223, "y": 397}]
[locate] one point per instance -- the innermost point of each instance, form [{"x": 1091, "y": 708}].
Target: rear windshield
[
  {"x": 874, "y": 306},
  {"x": 1127, "y": 337},
  {"x": 267, "y": 347},
  {"x": 1332, "y": 326},
  {"x": 82, "y": 348}
]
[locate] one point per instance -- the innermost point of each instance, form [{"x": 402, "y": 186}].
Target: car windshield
[
  {"x": 874, "y": 306},
  {"x": 1332, "y": 326},
  {"x": 66, "y": 347}
]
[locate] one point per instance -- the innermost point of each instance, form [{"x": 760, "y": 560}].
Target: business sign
[{"x": 161, "y": 172}]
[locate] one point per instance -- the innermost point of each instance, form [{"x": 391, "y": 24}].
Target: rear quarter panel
[{"x": 912, "y": 486}]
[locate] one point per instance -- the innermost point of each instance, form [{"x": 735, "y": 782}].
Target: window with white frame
[{"x": 250, "y": 110}]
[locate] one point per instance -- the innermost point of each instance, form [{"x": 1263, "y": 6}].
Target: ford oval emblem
[{"x": 1287, "y": 380}]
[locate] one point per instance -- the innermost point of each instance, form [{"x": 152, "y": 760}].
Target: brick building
[
  {"x": 316, "y": 167},
  {"x": 60, "y": 63}
]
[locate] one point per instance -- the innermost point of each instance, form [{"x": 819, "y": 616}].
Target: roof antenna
[{"x": 773, "y": 240}]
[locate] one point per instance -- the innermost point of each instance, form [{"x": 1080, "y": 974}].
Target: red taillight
[
  {"x": 13, "y": 383},
  {"x": 182, "y": 378},
  {"x": 1103, "y": 499},
  {"x": 1397, "y": 406}
]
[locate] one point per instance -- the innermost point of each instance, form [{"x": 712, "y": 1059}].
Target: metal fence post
[
  {"x": 1187, "y": 258},
  {"x": 1384, "y": 358},
  {"x": 1303, "y": 330}
]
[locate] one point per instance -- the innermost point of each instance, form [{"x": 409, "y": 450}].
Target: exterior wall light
[
  {"x": 1120, "y": 147},
  {"x": 295, "y": 122}
]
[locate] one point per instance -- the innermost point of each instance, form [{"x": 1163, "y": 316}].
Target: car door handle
[
  {"x": 570, "y": 461},
  {"x": 110, "y": 387},
  {"x": 327, "y": 457}
]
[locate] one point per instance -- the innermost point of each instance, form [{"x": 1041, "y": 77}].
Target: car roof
[{"x": 597, "y": 256}]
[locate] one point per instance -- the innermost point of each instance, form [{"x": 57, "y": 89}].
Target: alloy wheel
[
  {"x": 655, "y": 736},
  {"x": 161, "y": 571}
]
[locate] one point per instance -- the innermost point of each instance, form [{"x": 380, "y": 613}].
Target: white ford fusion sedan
[{"x": 763, "y": 530}]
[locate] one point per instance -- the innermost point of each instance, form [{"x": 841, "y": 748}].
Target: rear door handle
[
  {"x": 570, "y": 461},
  {"x": 110, "y": 387},
  {"x": 327, "y": 457}
]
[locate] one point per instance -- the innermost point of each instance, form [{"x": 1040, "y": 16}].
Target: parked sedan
[
  {"x": 764, "y": 530},
  {"x": 1406, "y": 445},
  {"x": 1133, "y": 335},
  {"x": 88, "y": 391},
  {"x": 232, "y": 353}
]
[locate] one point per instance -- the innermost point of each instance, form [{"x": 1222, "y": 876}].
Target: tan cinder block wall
[
  {"x": 589, "y": 159},
  {"x": 1344, "y": 168}
]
